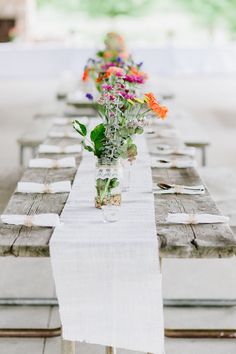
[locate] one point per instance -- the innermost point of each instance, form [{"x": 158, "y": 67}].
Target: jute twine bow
[
  {"x": 55, "y": 164},
  {"x": 192, "y": 219},
  {"x": 174, "y": 161},
  {"x": 47, "y": 188},
  {"x": 178, "y": 189},
  {"x": 28, "y": 221}
]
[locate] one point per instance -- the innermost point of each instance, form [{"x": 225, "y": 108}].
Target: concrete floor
[{"x": 212, "y": 103}]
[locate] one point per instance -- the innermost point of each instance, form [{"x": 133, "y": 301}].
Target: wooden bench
[
  {"x": 175, "y": 241},
  {"x": 33, "y": 137}
]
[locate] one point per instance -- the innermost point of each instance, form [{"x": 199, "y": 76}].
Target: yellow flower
[
  {"x": 139, "y": 100},
  {"x": 130, "y": 101}
]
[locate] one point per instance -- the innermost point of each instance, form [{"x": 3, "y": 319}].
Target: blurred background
[{"x": 189, "y": 52}]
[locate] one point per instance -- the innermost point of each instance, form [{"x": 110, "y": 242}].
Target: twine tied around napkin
[
  {"x": 178, "y": 189},
  {"x": 47, "y": 188},
  {"x": 55, "y": 164},
  {"x": 192, "y": 219},
  {"x": 28, "y": 220}
]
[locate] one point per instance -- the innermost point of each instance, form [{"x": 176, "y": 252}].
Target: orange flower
[
  {"x": 161, "y": 111},
  {"x": 136, "y": 72},
  {"x": 115, "y": 70},
  {"x": 85, "y": 74}
]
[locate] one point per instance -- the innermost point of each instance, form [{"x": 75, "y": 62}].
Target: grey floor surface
[{"x": 212, "y": 103}]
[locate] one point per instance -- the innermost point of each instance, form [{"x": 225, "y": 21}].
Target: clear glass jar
[{"x": 108, "y": 184}]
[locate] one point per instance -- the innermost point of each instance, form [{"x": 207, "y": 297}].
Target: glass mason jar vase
[{"x": 108, "y": 184}]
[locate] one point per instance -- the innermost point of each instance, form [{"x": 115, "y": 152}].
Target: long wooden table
[
  {"x": 175, "y": 241},
  {"x": 181, "y": 241}
]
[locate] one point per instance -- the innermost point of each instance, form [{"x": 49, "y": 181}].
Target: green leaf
[
  {"x": 98, "y": 137},
  {"x": 97, "y": 133},
  {"x": 79, "y": 127}
]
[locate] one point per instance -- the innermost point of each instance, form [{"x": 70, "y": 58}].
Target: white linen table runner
[{"x": 107, "y": 275}]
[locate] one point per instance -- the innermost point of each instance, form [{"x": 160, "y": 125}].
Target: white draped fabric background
[
  {"x": 50, "y": 60},
  {"x": 107, "y": 276}
]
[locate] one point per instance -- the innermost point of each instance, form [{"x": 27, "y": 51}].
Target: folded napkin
[
  {"x": 55, "y": 149},
  {"x": 182, "y": 218},
  {"x": 64, "y": 134},
  {"x": 56, "y": 187},
  {"x": 178, "y": 189},
  {"x": 162, "y": 133},
  {"x": 66, "y": 121},
  {"x": 172, "y": 163},
  {"x": 49, "y": 163},
  {"x": 46, "y": 220},
  {"x": 163, "y": 149}
]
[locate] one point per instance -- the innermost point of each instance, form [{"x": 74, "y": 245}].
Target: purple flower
[
  {"x": 107, "y": 87},
  {"x": 126, "y": 95},
  {"x": 134, "y": 79},
  {"x": 140, "y": 64},
  {"x": 89, "y": 96}
]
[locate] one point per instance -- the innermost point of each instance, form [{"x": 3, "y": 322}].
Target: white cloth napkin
[
  {"x": 183, "y": 218},
  {"x": 56, "y": 187},
  {"x": 45, "y": 220},
  {"x": 172, "y": 163},
  {"x": 168, "y": 150},
  {"x": 66, "y": 121},
  {"x": 64, "y": 134},
  {"x": 179, "y": 189},
  {"x": 50, "y": 163},
  {"x": 55, "y": 149},
  {"x": 162, "y": 133}
]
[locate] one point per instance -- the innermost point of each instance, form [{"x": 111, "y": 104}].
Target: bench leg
[
  {"x": 21, "y": 155},
  {"x": 204, "y": 156},
  {"x": 68, "y": 347},
  {"x": 33, "y": 152}
]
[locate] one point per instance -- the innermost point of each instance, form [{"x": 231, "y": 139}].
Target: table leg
[{"x": 67, "y": 347}]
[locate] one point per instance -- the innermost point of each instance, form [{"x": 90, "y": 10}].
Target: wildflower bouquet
[{"x": 122, "y": 116}]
